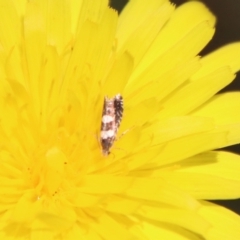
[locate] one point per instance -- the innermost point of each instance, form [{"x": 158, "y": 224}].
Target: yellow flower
[{"x": 58, "y": 59}]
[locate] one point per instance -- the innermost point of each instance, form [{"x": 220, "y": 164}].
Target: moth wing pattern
[
  {"x": 118, "y": 105},
  {"x": 111, "y": 119}
]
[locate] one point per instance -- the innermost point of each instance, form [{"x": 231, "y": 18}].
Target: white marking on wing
[
  {"x": 104, "y": 135},
  {"x": 110, "y": 133},
  {"x": 107, "y": 119},
  {"x": 107, "y": 134}
]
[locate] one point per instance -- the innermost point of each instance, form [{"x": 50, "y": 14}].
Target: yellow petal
[
  {"x": 221, "y": 169},
  {"x": 8, "y": 108},
  {"x": 20, "y": 6},
  {"x": 10, "y": 28},
  {"x": 228, "y": 55},
  {"x": 177, "y": 127},
  {"x": 49, "y": 88},
  {"x": 108, "y": 228},
  {"x": 225, "y": 223},
  {"x": 14, "y": 68},
  {"x": 118, "y": 75},
  {"x": 183, "y": 101},
  {"x": 222, "y": 108},
  {"x": 186, "y": 48},
  {"x": 179, "y": 148},
  {"x": 216, "y": 163},
  {"x": 144, "y": 158},
  {"x": 91, "y": 61},
  {"x": 155, "y": 189},
  {"x": 27, "y": 201},
  {"x": 122, "y": 205},
  {"x": 204, "y": 186},
  {"x": 41, "y": 231},
  {"x": 60, "y": 222},
  {"x": 55, "y": 166},
  {"x": 77, "y": 232},
  {"x": 35, "y": 35},
  {"x": 89, "y": 10},
  {"x": 139, "y": 114},
  {"x": 167, "y": 231},
  {"x": 112, "y": 184},
  {"x": 161, "y": 85},
  {"x": 141, "y": 10},
  {"x": 58, "y": 14},
  {"x": 186, "y": 219},
  {"x": 139, "y": 40},
  {"x": 191, "y": 35},
  {"x": 128, "y": 141}
]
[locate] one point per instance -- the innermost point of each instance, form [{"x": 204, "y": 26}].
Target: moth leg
[{"x": 123, "y": 133}]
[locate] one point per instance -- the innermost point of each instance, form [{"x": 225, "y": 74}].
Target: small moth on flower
[{"x": 111, "y": 119}]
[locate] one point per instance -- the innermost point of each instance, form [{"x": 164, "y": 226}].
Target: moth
[{"x": 111, "y": 119}]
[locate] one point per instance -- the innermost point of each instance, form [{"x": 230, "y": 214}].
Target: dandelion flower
[{"x": 58, "y": 60}]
